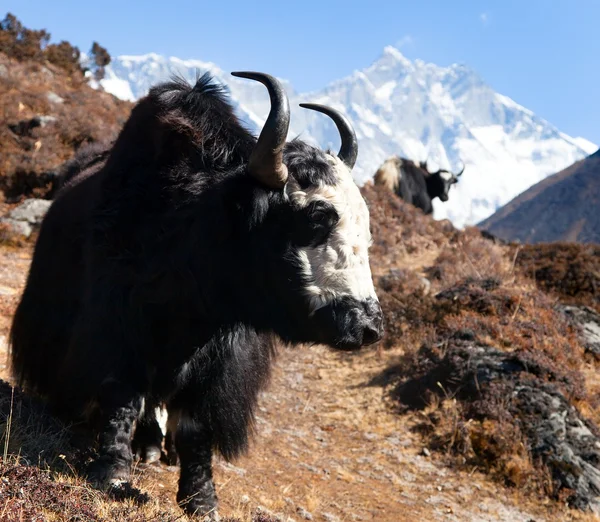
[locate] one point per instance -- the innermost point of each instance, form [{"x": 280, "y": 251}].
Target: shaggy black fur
[
  {"x": 162, "y": 274},
  {"x": 91, "y": 156}
]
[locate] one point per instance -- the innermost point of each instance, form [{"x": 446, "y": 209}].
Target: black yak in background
[
  {"x": 414, "y": 183},
  {"x": 168, "y": 269}
]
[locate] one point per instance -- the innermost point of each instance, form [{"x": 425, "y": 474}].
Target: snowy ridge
[{"x": 415, "y": 109}]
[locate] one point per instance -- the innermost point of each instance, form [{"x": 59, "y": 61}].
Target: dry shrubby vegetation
[
  {"x": 569, "y": 270},
  {"x": 493, "y": 364},
  {"x": 47, "y": 108}
]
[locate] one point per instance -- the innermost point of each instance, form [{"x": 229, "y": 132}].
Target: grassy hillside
[{"x": 47, "y": 110}]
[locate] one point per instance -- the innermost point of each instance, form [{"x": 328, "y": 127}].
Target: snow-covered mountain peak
[{"x": 419, "y": 110}]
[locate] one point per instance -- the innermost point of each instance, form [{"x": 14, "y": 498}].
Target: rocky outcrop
[
  {"x": 27, "y": 217},
  {"x": 587, "y": 322},
  {"x": 523, "y": 403}
]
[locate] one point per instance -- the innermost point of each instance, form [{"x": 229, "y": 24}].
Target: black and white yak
[
  {"x": 168, "y": 270},
  {"x": 414, "y": 183}
]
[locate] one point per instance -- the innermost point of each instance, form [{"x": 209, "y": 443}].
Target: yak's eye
[
  {"x": 318, "y": 216},
  {"x": 322, "y": 214},
  {"x": 315, "y": 222}
]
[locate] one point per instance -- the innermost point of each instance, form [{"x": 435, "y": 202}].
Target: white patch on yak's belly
[{"x": 339, "y": 267}]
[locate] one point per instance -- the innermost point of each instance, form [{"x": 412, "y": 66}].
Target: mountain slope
[
  {"x": 445, "y": 114},
  {"x": 573, "y": 194}
]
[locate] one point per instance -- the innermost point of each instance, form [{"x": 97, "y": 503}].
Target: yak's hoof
[
  {"x": 172, "y": 458},
  {"x": 206, "y": 508},
  {"x": 148, "y": 454},
  {"x": 105, "y": 473}
]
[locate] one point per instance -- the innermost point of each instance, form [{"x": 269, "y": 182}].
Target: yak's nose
[
  {"x": 371, "y": 335},
  {"x": 373, "y": 327}
]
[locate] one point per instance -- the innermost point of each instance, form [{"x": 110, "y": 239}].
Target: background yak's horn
[
  {"x": 349, "y": 149},
  {"x": 460, "y": 173},
  {"x": 266, "y": 161}
]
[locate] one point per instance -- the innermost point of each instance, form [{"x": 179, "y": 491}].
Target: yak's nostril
[{"x": 371, "y": 335}]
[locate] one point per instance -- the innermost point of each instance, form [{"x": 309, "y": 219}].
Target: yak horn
[
  {"x": 460, "y": 173},
  {"x": 266, "y": 161},
  {"x": 349, "y": 149}
]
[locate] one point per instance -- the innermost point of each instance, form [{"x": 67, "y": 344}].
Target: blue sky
[{"x": 542, "y": 53}]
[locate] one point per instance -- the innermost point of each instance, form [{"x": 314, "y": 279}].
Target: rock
[
  {"x": 564, "y": 441},
  {"x": 425, "y": 452},
  {"x": 426, "y": 285},
  {"x": 45, "y": 120},
  {"x": 587, "y": 322},
  {"x": 27, "y": 217},
  {"x": 46, "y": 72},
  {"x": 18, "y": 228},
  {"x": 306, "y": 515},
  {"x": 3, "y": 71},
  {"x": 31, "y": 210},
  {"x": 25, "y": 127},
  {"x": 54, "y": 98}
]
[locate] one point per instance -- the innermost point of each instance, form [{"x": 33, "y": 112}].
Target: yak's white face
[
  {"x": 447, "y": 179},
  {"x": 338, "y": 267},
  {"x": 446, "y": 176}
]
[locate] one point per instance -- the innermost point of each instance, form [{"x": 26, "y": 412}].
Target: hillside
[
  {"x": 398, "y": 106},
  {"x": 47, "y": 111},
  {"x": 562, "y": 207},
  {"x": 393, "y": 433}
]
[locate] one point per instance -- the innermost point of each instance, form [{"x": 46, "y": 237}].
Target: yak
[
  {"x": 171, "y": 269},
  {"x": 414, "y": 183}
]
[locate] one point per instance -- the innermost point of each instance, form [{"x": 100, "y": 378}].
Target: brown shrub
[
  {"x": 469, "y": 254},
  {"x": 64, "y": 55},
  {"x": 101, "y": 59},
  {"x": 568, "y": 270},
  {"x": 23, "y": 44}
]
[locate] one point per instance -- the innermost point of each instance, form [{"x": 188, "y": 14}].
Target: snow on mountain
[{"x": 446, "y": 115}]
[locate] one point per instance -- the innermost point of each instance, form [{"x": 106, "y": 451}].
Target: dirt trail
[{"x": 328, "y": 446}]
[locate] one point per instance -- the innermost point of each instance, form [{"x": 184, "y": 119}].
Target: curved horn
[
  {"x": 460, "y": 173},
  {"x": 266, "y": 161},
  {"x": 349, "y": 149}
]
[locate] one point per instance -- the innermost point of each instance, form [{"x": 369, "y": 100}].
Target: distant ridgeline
[{"x": 562, "y": 207}]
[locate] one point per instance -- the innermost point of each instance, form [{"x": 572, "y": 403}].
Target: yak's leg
[
  {"x": 119, "y": 409},
  {"x": 196, "y": 494},
  {"x": 147, "y": 440}
]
